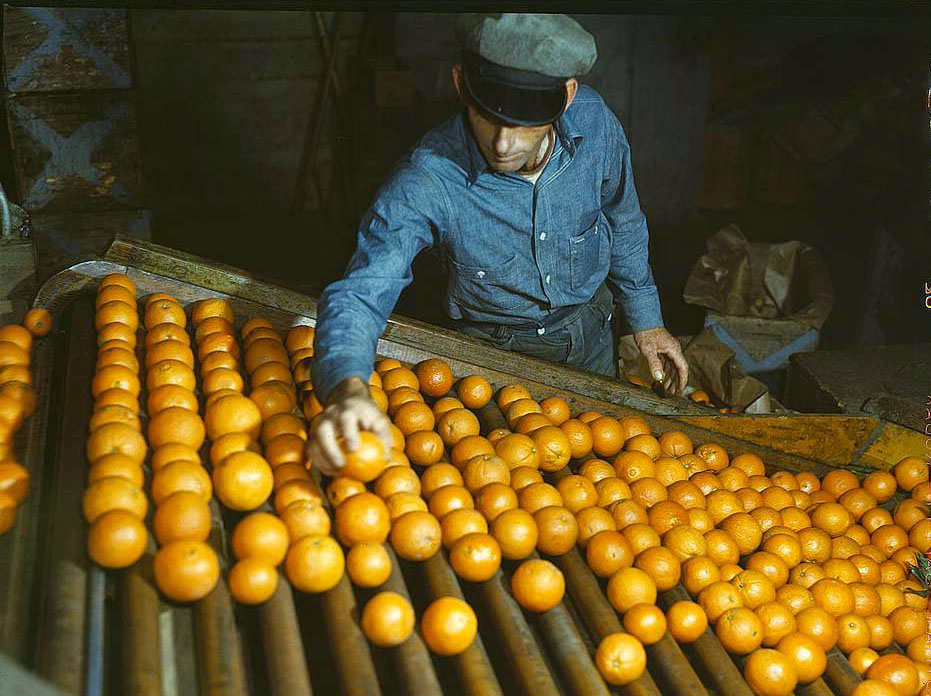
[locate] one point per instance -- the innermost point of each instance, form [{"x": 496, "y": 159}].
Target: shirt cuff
[
  {"x": 642, "y": 310},
  {"x": 326, "y": 374}
]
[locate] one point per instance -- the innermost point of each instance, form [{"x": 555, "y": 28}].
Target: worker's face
[{"x": 506, "y": 148}]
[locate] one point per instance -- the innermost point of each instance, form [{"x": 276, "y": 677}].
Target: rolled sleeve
[
  {"x": 630, "y": 276},
  {"x": 353, "y": 312}
]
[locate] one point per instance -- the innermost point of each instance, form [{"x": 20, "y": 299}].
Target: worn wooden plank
[
  {"x": 803, "y": 437},
  {"x": 76, "y": 151},
  {"x": 891, "y": 444},
  {"x": 48, "y": 49}
]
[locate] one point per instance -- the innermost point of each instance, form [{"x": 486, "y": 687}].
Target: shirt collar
[{"x": 567, "y": 131}]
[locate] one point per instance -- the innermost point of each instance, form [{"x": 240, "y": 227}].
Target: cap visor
[{"x": 517, "y": 106}]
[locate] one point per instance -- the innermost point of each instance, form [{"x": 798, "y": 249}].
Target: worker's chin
[{"x": 507, "y": 165}]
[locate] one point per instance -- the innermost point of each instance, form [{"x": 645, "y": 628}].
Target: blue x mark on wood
[
  {"x": 64, "y": 29},
  {"x": 70, "y": 156}
]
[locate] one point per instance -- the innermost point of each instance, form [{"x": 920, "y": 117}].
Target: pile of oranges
[
  {"x": 782, "y": 567},
  {"x": 17, "y": 403}
]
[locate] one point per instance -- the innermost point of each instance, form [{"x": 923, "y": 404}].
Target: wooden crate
[
  {"x": 51, "y": 50},
  {"x": 75, "y": 151}
]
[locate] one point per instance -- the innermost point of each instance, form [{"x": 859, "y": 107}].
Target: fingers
[
  {"x": 374, "y": 420},
  {"x": 653, "y": 362},
  {"x": 349, "y": 428},
  {"x": 326, "y": 440},
  {"x": 682, "y": 367}
]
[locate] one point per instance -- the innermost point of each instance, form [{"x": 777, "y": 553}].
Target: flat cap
[
  {"x": 515, "y": 65},
  {"x": 549, "y": 44}
]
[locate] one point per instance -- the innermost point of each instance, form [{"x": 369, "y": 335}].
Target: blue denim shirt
[{"x": 515, "y": 250}]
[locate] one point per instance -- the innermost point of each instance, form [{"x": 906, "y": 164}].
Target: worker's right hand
[{"x": 349, "y": 409}]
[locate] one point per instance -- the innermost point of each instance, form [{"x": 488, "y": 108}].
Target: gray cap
[
  {"x": 549, "y": 44},
  {"x": 515, "y": 66}
]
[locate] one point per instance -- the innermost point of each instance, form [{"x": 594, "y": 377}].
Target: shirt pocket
[
  {"x": 484, "y": 288},
  {"x": 586, "y": 253}
]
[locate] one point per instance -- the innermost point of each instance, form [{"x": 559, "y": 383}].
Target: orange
[
  {"x": 284, "y": 449},
  {"x": 833, "y": 518},
  {"x": 38, "y": 321},
  {"x": 880, "y": 631},
  {"x": 468, "y": 448},
  {"x": 252, "y": 581},
  {"x": 264, "y": 332},
  {"x": 627, "y": 512},
  {"x": 909, "y": 472},
  {"x": 686, "y": 621},
  {"x": 300, "y": 336},
  {"x": 556, "y": 409},
  {"x": 263, "y": 350},
  {"x": 448, "y": 626},
  {"x": 474, "y": 391},
  {"x": 385, "y": 364},
  {"x": 243, "y": 481},
  {"x": 416, "y": 535},
  {"x": 896, "y": 670},
  {"x": 111, "y": 414},
  {"x": 631, "y": 466},
  {"x": 119, "y": 438},
  {"x": 698, "y": 573},
  {"x": 610, "y": 490},
  {"x": 607, "y": 552},
  {"x": 875, "y": 518},
  {"x": 494, "y": 498},
  {"x": 744, "y": 529},
  {"x": 866, "y": 600},
  {"x": 833, "y": 596},
  {"x": 770, "y": 565},
  {"x": 283, "y": 423},
  {"x": 475, "y": 557},
  {"x": 841, "y": 569},
  {"x": 181, "y": 476},
  {"x": 448, "y": 498},
  {"x": 861, "y": 659},
  {"x": 435, "y": 377},
  {"x": 438, "y": 475},
  {"x": 261, "y": 535},
  {"x": 754, "y": 588},
  {"x": 111, "y": 293},
  {"x": 274, "y": 397},
  {"x": 387, "y": 619},
  {"x": 305, "y": 517},
  {"x": 413, "y": 416},
  {"x": 553, "y": 447},
  {"x": 646, "y": 623},
  {"x": 794, "y": 597},
  {"x": 209, "y": 326},
  {"x": 670, "y": 471},
  {"x": 459, "y": 523},
  {"x": 661, "y": 565},
  {"x": 607, "y": 436},
  {"x": 399, "y": 377},
  {"x": 516, "y": 533},
  {"x": 518, "y": 450},
  {"x": 628, "y": 587},
  {"x": 232, "y": 413},
  {"x": 117, "y": 335},
  {"x": 919, "y": 649},
  {"x": 577, "y": 492},
  {"x": 674, "y": 443},
  {"x": 165, "y": 332},
  {"x": 254, "y": 323},
  {"x": 116, "y": 539},
  {"x": 218, "y": 342},
  {"x": 852, "y": 632},
  {"x": 580, "y": 437},
  {"x": 108, "y": 465},
  {"x": 396, "y": 479},
  {"x": 713, "y": 454},
  {"x": 919, "y": 536},
  {"x": 881, "y": 485},
  {"x": 176, "y": 425},
  {"x": 889, "y": 538},
  {"x": 909, "y": 512},
  {"x": 424, "y": 448},
  {"x": 369, "y": 565},
  {"x": 456, "y": 424},
  {"x": 186, "y": 570},
  {"x": 212, "y": 307},
  {"x": 538, "y": 585},
  {"x": 685, "y": 542},
  {"x": 164, "y": 312},
  {"x": 699, "y": 519},
  {"x": 537, "y": 496},
  {"x": 222, "y": 378},
  {"x": 115, "y": 377},
  {"x": 166, "y": 454},
  {"x": 170, "y": 372},
  {"x": 181, "y": 515},
  {"x": 620, "y": 658},
  {"x": 523, "y": 476},
  {"x": 484, "y": 469},
  {"x": 442, "y": 405},
  {"x": 557, "y": 528},
  {"x": 115, "y": 312},
  {"x": 592, "y": 520},
  {"x": 819, "y": 625},
  {"x": 749, "y": 463},
  {"x": 117, "y": 279},
  {"x": 687, "y": 494},
  {"x": 640, "y": 537},
  {"x": 401, "y": 396},
  {"x": 509, "y": 394},
  {"x": 225, "y": 445},
  {"x": 907, "y": 623},
  {"x": 271, "y": 372},
  {"x": 721, "y": 546},
  {"x": 873, "y": 687},
  {"x": 770, "y": 673},
  {"x": 315, "y": 563},
  {"x": 739, "y": 630}
]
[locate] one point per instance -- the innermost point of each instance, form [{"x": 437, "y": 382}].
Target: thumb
[{"x": 654, "y": 363}]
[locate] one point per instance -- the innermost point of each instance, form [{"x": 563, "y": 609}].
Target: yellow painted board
[
  {"x": 832, "y": 439},
  {"x": 892, "y": 444}
]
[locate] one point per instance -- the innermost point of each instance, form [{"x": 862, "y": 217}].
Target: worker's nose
[{"x": 503, "y": 141}]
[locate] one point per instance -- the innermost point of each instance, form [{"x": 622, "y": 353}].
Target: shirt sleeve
[
  {"x": 630, "y": 276},
  {"x": 352, "y": 312}
]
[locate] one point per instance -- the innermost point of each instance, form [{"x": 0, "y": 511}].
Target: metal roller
[
  {"x": 285, "y": 661},
  {"x": 141, "y": 642},
  {"x": 475, "y": 672},
  {"x": 839, "y": 675},
  {"x": 219, "y": 651},
  {"x": 523, "y": 652}
]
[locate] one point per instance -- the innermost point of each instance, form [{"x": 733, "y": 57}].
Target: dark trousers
[{"x": 582, "y": 338}]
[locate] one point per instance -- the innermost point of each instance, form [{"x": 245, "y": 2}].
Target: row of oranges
[{"x": 17, "y": 403}]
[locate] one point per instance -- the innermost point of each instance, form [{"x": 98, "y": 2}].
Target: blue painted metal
[
  {"x": 64, "y": 29},
  {"x": 69, "y": 156},
  {"x": 774, "y": 361}
]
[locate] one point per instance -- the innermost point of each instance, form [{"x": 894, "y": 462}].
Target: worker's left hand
[{"x": 664, "y": 357}]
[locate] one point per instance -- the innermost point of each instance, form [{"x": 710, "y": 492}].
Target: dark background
[{"x": 795, "y": 128}]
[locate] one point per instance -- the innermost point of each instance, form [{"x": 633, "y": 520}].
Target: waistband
[{"x": 556, "y": 320}]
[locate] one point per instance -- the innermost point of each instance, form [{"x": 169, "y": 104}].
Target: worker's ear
[
  {"x": 457, "y": 78},
  {"x": 572, "y": 88}
]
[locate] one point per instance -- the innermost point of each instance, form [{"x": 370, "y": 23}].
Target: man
[{"x": 529, "y": 195}]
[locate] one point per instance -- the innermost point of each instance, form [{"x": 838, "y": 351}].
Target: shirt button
[
  {"x": 542, "y": 236},
  {"x": 547, "y": 279},
  {"x": 541, "y": 331},
  {"x": 481, "y": 274}
]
